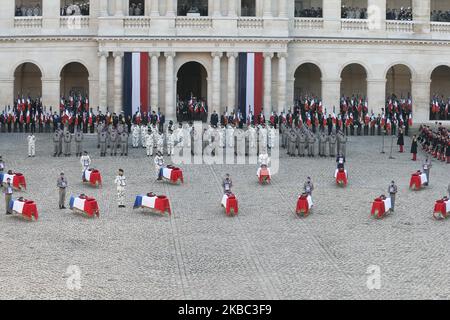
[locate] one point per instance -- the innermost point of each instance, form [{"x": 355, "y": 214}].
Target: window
[
  {"x": 248, "y": 8},
  {"x": 192, "y": 7},
  {"x": 399, "y": 10},
  {"x": 28, "y": 8},
  {"x": 440, "y": 11},
  {"x": 74, "y": 7},
  {"x": 354, "y": 9},
  {"x": 136, "y": 8},
  {"x": 308, "y": 8}
]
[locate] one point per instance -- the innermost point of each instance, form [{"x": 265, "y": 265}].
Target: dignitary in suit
[{"x": 392, "y": 190}]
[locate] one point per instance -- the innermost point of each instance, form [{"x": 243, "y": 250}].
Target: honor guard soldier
[
  {"x": 135, "y": 132},
  {"x": 392, "y": 190},
  {"x": 301, "y": 142},
  {"x": 99, "y": 131},
  {"x": 79, "y": 142},
  {"x": 67, "y": 141},
  {"x": 56, "y": 143},
  {"x": 340, "y": 160},
  {"x": 311, "y": 144},
  {"x": 149, "y": 142},
  {"x": 114, "y": 140},
  {"x": 85, "y": 161},
  {"x": 343, "y": 144},
  {"x": 123, "y": 139},
  {"x": 103, "y": 138},
  {"x": 308, "y": 187},
  {"x": 170, "y": 142},
  {"x": 31, "y": 145},
  {"x": 62, "y": 184},
  {"x": 142, "y": 140},
  {"x": 159, "y": 165},
  {"x": 332, "y": 145},
  {"x": 323, "y": 144},
  {"x": 121, "y": 183},
  {"x": 8, "y": 191},
  {"x": 292, "y": 143},
  {"x": 160, "y": 142}
]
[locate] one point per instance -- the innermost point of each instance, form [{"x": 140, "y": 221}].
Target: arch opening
[{"x": 440, "y": 93}]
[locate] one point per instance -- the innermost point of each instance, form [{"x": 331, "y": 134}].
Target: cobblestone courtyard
[{"x": 267, "y": 252}]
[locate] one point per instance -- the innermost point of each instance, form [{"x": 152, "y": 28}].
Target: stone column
[
  {"x": 93, "y": 88},
  {"x": 282, "y": 81},
  {"x": 154, "y": 80},
  {"x": 170, "y": 93},
  {"x": 51, "y": 92},
  {"x": 267, "y": 83},
  {"x": 216, "y": 12},
  {"x": 102, "y": 79},
  {"x": 170, "y": 12},
  {"x": 332, "y": 15},
  {"x": 331, "y": 93},
  {"x": 376, "y": 94},
  {"x": 421, "y": 15},
  {"x": 376, "y": 12},
  {"x": 421, "y": 91},
  {"x": 7, "y": 94},
  {"x": 267, "y": 10},
  {"x": 155, "y": 8},
  {"x": 119, "y": 8},
  {"x": 118, "y": 105},
  {"x": 232, "y": 8},
  {"x": 216, "y": 80},
  {"x": 282, "y": 10},
  {"x": 103, "y": 8},
  {"x": 231, "y": 85}
]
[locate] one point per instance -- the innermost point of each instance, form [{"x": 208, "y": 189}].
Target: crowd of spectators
[
  {"x": 309, "y": 13},
  {"x": 185, "y": 8},
  {"x": 76, "y": 8},
  {"x": 404, "y": 14},
  {"x": 353, "y": 13},
  {"x": 440, "y": 16},
  {"x": 28, "y": 11},
  {"x": 136, "y": 9}
]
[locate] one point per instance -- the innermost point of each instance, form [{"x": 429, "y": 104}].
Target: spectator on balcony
[
  {"x": 136, "y": 9},
  {"x": 309, "y": 13},
  {"x": 37, "y": 10},
  {"x": 403, "y": 14},
  {"x": 353, "y": 13}
]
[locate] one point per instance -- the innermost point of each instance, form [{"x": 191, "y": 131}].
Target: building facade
[{"x": 49, "y": 54}]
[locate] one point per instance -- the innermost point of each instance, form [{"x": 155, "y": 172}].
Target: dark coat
[
  {"x": 414, "y": 146},
  {"x": 400, "y": 140}
]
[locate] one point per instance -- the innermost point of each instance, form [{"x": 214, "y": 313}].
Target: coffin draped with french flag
[
  {"x": 304, "y": 204},
  {"x": 173, "y": 174},
  {"x": 418, "y": 180},
  {"x": 250, "y": 83},
  {"x": 87, "y": 205},
  {"x": 17, "y": 180},
  {"x": 25, "y": 208},
  {"x": 136, "y": 82},
  {"x": 380, "y": 207},
  {"x": 441, "y": 209},
  {"x": 229, "y": 202},
  {"x": 155, "y": 203},
  {"x": 92, "y": 176}
]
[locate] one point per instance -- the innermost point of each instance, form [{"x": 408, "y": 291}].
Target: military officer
[
  {"x": 67, "y": 141},
  {"x": 332, "y": 144},
  {"x": 159, "y": 165},
  {"x": 311, "y": 144},
  {"x": 292, "y": 142},
  {"x": 392, "y": 190},
  {"x": 149, "y": 139},
  {"x": 142, "y": 136},
  {"x": 263, "y": 139},
  {"x": 8, "y": 191},
  {"x": 160, "y": 142},
  {"x": 123, "y": 140},
  {"x": 114, "y": 140},
  {"x": 62, "y": 184},
  {"x": 301, "y": 141},
  {"x": 322, "y": 144},
  {"x": 170, "y": 142},
  {"x": 120, "y": 183},
  {"x": 79, "y": 142},
  {"x": 56, "y": 143},
  {"x": 103, "y": 141},
  {"x": 100, "y": 128}
]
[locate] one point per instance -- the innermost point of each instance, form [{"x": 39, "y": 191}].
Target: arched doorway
[
  {"x": 27, "y": 81},
  {"x": 307, "y": 81},
  {"x": 354, "y": 81},
  {"x": 75, "y": 84},
  {"x": 440, "y": 93},
  {"x": 192, "y": 91},
  {"x": 398, "y": 91}
]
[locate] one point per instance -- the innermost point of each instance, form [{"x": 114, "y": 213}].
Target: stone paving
[{"x": 266, "y": 252}]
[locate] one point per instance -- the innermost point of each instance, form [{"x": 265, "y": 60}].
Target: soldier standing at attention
[
  {"x": 322, "y": 144},
  {"x": 301, "y": 143},
  {"x": 114, "y": 139},
  {"x": 55, "y": 143},
  {"x": 123, "y": 139},
  {"x": 332, "y": 146},
  {"x": 311, "y": 144},
  {"x": 149, "y": 142},
  {"x": 103, "y": 138},
  {"x": 426, "y": 168},
  {"x": 343, "y": 143},
  {"x": 62, "y": 184},
  {"x": 31, "y": 144},
  {"x": 60, "y": 142},
  {"x": 85, "y": 161},
  {"x": 121, "y": 183},
  {"x": 392, "y": 189},
  {"x": 99, "y": 131},
  {"x": 78, "y": 142},
  {"x": 8, "y": 191},
  {"x": 67, "y": 141},
  {"x": 308, "y": 187}
]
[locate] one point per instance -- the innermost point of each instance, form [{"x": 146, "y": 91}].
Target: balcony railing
[
  {"x": 399, "y": 26},
  {"x": 250, "y": 22},
  {"x": 308, "y": 23},
  {"x": 28, "y": 22},
  {"x": 74, "y": 22},
  {"x": 355, "y": 24},
  {"x": 136, "y": 22},
  {"x": 441, "y": 27},
  {"x": 194, "y": 22}
]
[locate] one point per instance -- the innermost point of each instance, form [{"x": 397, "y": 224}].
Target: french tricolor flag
[
  {"x": 135, "y": 82},
  {"x": 250, "y": 83}
]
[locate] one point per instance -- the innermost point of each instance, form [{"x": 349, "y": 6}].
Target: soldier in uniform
[
  {"x": 103, "y": 139},
  {"x": 311, "y": 144},
  {"x": 159, "y": 165},
  {"x": 332, "y": 145},
  {"x": 135, "y": 131},
  {"x": 322, "y": 144},
  {"x": 56, "y": 143},
  {"x": 170, "y": 142},
  {"x": 85, "y": 161},
  {"x": 263, "y": 139},
  {"x": 227, "y": 184},
  {"x": 392, "y": 190},
  {"x": 301, "y": 142},
  {"x": 121, "y": 183},
  {"x": 67, "y": 141},
  {"x": 114, "y": 139},
  {"x": 143, "y": 133},
  {"x": 426, "y": 168},
  {"x": 292, "y": 143},
  {"x": 60, "y": 142},
  {"x": 123, "y": 139},
  {"x": 149, "y": 142},
  {"x": 8, "y": 191},
  {"x": 31, "y": 145},
  {"x": 308, "y": 187},
  {"x": 62, "y": 184},
  {"x": 99, "y": 131},
  {"x": 343, "y": 144},
  {"x": 160, "y": 142},
  {"x": 78, "y": 142}
]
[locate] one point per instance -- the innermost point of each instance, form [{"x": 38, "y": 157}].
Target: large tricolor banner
[
  {"x": 250, "y": 83},
  {"x": 135, "y": 82}
]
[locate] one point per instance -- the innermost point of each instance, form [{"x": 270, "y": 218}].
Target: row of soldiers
[
  {"x": 436, "y": 141},
  {"x": 298, "y": 140}
]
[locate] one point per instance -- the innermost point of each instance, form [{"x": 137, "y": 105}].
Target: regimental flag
[
  {"x": 250, "y": 94},
  {"x": 135, "y": 82}
]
